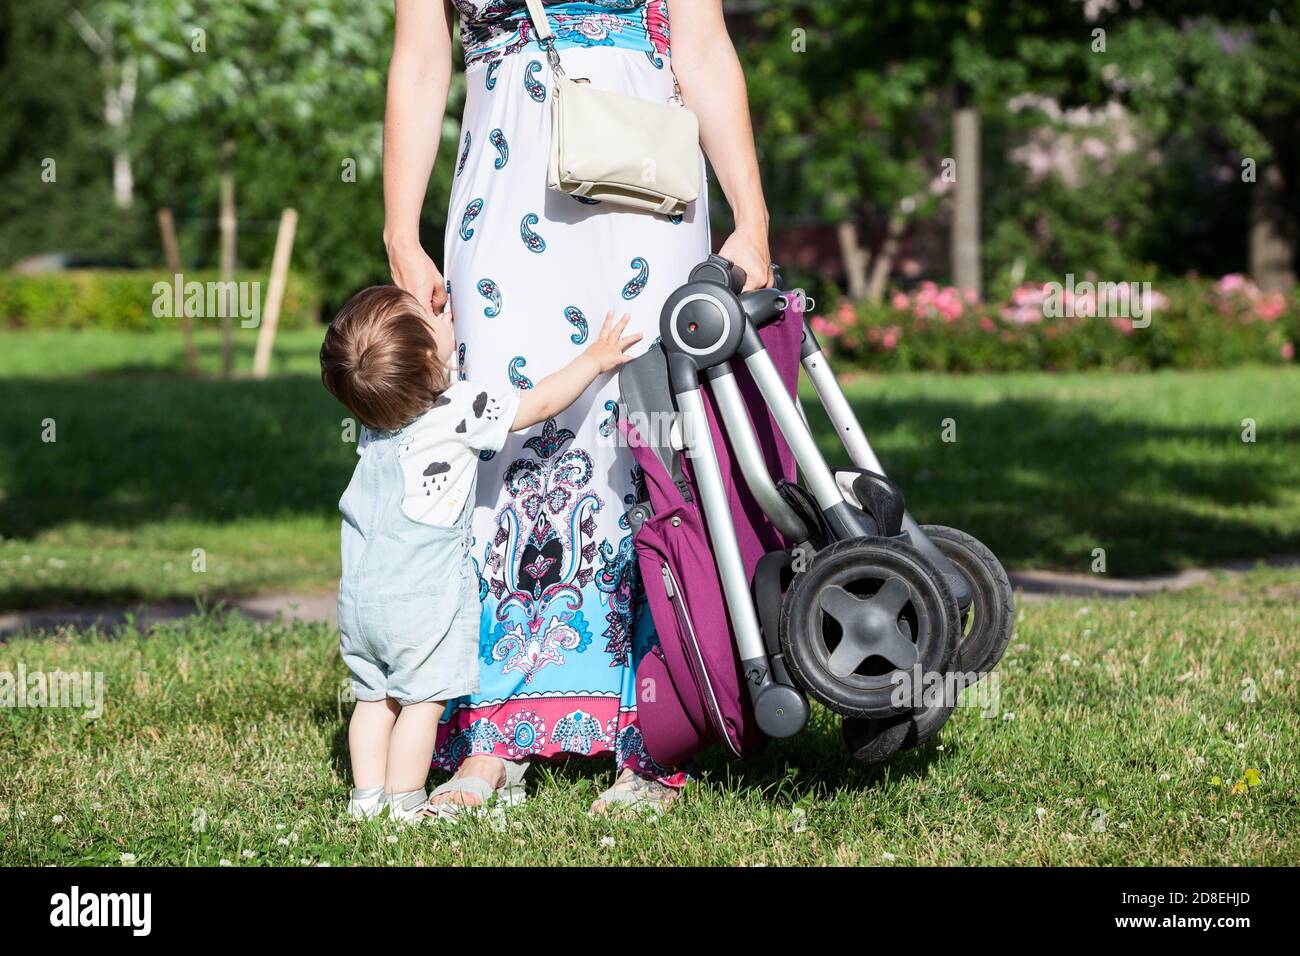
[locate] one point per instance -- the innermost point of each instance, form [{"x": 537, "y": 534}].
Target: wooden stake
[
  {"x": 229, "y": 231},
  {"x": 172, "y": 253},
  {"x": 275, "y": 293}
]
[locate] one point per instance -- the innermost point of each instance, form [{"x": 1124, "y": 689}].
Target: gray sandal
[
  {"x": 637, "y": 793},
  {"x": 511, "y": 794}
]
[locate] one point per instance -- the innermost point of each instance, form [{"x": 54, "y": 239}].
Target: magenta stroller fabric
[{"x": 690, "y": 690}]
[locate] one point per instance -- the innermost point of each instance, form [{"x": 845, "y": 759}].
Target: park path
[{"x": 1031, "y": 587}]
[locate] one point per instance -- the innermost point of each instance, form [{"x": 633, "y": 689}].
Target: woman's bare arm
[
  {"x": 713, "y": 86},
  {"x": 419, "y": 75}
]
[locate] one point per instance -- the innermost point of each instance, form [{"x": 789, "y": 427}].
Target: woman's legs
[{"x": 631, "y": 789}]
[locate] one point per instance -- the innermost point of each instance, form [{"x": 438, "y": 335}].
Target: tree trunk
[
  {"x": 965, "y": 251},
  {"x": 228, "y": 225},
  {"x": 1272, "y": 231},
  {"x": 172, "y": 253},
  {"x": 119, "y": 104},
  {"x": 118, "y": 108},
  {"x": 123, "y": 180},
  {"x": 855, "y": 259},
  {"x": 883, "y": 264}
]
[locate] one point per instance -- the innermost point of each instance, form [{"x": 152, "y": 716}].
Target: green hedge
[
  {"x": 1194, "y": 323},
  {"x": 124, "y": 300}
]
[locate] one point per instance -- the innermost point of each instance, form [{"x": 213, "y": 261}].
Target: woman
[{"x": 527, "y": 270}]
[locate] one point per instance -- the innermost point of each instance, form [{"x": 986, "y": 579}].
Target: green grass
[
  {"x": 1151, "y": 468},
  {"x": 1121, "y": 726},
  {"x": 149, "y": 466},
  {"x": 221, "y": 738},
  {"x": 58, "y": 353}
]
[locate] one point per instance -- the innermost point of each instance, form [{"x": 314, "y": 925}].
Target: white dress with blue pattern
[{"x": 531, "y": 274}]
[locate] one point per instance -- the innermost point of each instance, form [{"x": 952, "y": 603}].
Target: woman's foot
[
  {"x": 477, "y": 778},
  {"x": 631, "y": 791}
]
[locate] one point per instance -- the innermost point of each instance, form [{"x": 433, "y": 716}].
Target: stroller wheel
[
  {"x": 869, "y": 737},
  {"x": 925, "y": 723},
  {"x": 867, "y": 615},
  {"x": 987, "y": 624},
  {"x": 874, "y": 740}
]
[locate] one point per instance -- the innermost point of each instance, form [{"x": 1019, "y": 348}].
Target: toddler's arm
[{"x": 557, "y": 392}]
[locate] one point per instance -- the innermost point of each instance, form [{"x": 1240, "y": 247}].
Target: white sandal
[{"x": 510, "y": 794}]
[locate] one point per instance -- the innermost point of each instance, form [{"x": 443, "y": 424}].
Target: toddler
[{"x": 409, "y": 597}]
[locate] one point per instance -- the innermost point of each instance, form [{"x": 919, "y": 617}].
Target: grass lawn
[
  {"x": 149, "y": 466},
  {"x": 1121, "y": 731}
]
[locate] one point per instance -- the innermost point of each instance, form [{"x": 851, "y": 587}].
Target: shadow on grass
[
  {"x": 131, "y": 451},
  {"x": 1042, "y": 481},
  {"x": 812, "y": 764}
]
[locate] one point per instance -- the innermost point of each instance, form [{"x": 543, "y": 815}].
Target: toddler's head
[{"x": 386, "y": 358}]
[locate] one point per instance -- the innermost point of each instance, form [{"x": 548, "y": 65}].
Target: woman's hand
[
  {"x": 415, "y": 272},
  {"x": 749, "y": 251}
]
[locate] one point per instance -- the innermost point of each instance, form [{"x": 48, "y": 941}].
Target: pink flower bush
[
  {"x": 824, "y": 328},
  {"x": 1190, "y": 322},
  {"x": 931, "y": 301},
  {"x": 1233, "y": 282},
  {"x": 1026, "y": 306},
  {"x": 1271, "y": 307}
]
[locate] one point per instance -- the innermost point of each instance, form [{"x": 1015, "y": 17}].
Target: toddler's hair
[{"x": 380, "y": 358}]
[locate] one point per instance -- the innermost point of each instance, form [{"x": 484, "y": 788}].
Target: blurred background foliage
[{"x": 1117, "y": 138}]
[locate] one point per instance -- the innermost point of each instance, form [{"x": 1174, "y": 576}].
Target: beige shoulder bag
[{"x": 618, "y": 149}]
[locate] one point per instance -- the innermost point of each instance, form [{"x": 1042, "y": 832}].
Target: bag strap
[
  {"x": 545, "y": 36},
  {"x": 538, "y": 14}
]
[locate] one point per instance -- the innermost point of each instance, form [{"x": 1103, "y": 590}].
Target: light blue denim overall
[{"x": 408, "y": 597}]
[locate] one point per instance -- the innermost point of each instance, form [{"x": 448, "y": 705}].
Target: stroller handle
[{"x": 764, "y": 306}]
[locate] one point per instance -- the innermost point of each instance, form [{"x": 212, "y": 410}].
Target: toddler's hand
[{"x": 610, "y": 348}]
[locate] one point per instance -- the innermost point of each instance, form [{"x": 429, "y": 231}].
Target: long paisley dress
[{"x": 531, "y": 274}]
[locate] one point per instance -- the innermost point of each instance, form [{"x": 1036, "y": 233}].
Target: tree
[
  {"x": 119, "y": 77},
  {"x": 858, "y": 101},
  {"x": 1206, "y": 71},
  {"x": 56, "y": 189},
  {"x": 282, "y": 97}
]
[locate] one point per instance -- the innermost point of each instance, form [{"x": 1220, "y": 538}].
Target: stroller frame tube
[
  {"x": 840, "y": 412},
  {"x": 862, "y": 455},
  {"x": 722, "y": 534},
  {"x": 821, "y": 482},
  {"x": 731, "y": 407}
]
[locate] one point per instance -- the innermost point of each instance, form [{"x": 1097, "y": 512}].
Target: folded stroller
[{"x": 766, "y": 590}]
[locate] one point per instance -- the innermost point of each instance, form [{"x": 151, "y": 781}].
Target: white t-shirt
[{"x": 439, "y": 450}]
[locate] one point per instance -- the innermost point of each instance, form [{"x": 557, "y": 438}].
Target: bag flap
[{"x": 607, "y": 137}]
